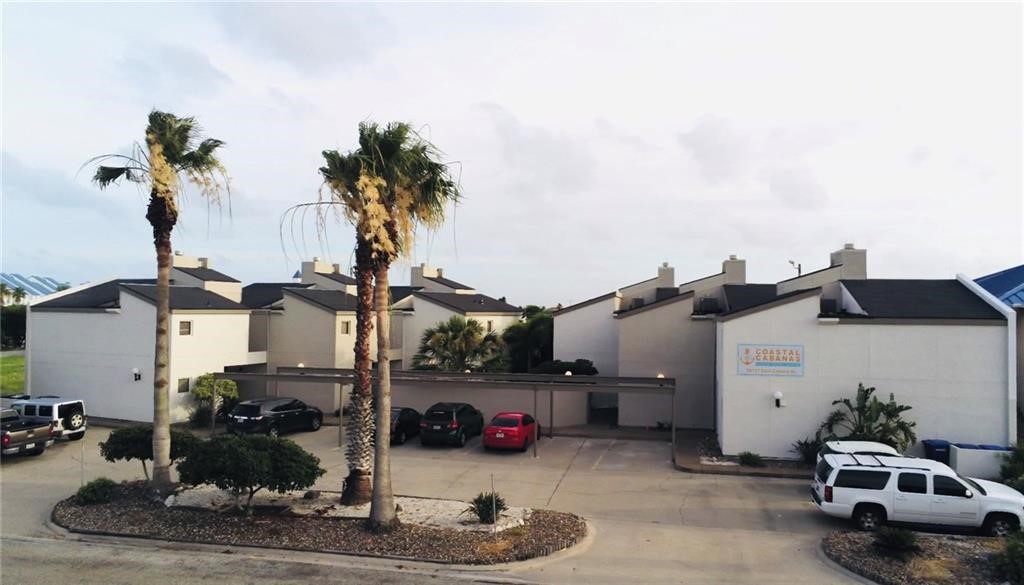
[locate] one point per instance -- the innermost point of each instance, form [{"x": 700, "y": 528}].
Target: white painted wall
[
  {"x": 218, "y": 339},
  {"x": 591, "y": 333},
  {"x": 427, "y": 314},
  {"x": 954, "y": 377},
  {"x": 668, "y": 340}
]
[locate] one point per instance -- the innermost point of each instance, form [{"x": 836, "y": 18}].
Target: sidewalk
[{"x": 687, "y": 458}]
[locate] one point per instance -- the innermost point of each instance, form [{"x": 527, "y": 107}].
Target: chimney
[
  {"x": 204, "y": 262},
  {"x": 418, "y": 274},
  {"x": 666, "y": 276},
  {"x": 735, "y": 270},
  {"x": 312, "y": 267},
  {"x": 440, "y": 272},
  {"x": 337, "y": 268},
  {"x": 854, "y": 262}
]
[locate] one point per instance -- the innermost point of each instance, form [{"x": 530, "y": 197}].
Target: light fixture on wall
[
  {"x": 778, "y": 398},
  {"x": 136, "y": 374},
  {"x": 468, "y": 372},
  {"x": 568, "y": 372},
  {"x": 302, "y": 365},
  {"x": 660, "y": 375}
]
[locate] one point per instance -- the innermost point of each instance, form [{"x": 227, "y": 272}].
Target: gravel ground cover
[
  {"x": 943, "y": 559},
  {"x": 134, "y": 513}
]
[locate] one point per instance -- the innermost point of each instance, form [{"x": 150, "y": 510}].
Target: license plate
[
  {"x": 437, "y": 427},
  {"x": 30, "y": 446},
  {"x": 499, "y": 435}
]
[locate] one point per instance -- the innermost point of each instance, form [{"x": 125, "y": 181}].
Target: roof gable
[
  {"x": 463, "y": 303},
  {"x": 448, "y": 282},
  {"x": 206, "y": 274},
  {"x": 260, "y": 295},
  {"x": 186, "y": 298},
  {"x": 331, "y": 300},
  {"x": 105, "y": 295}
]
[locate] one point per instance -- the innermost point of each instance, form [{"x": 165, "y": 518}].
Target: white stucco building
[{"x": 96, "y": 342}]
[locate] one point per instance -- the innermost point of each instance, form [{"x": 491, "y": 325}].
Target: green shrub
[
  {"x": 896, "y": 542},
  {"x": 97, "y": 491},
  {"x": 866, "y": 418},
  {"x": 709, "y": 447},
  {"x": 247, "y": 464},
  {"x": 749, "y": 459},
  {"x": 807, "y": 448},
  {"x": 137, "y": 443},
  {"x": 200, "y": 415},
  {"x": 1009, "y": 564},
  {"x": 485, "y": 505},
  {"x": 1012, "y": 469}
]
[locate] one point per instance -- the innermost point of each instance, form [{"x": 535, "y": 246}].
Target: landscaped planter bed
[
  {"x": 942, "y": 559},
  {"x": 135, "y": 513}
]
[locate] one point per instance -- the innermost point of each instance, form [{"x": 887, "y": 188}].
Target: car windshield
[
  {"x": 973, "y": 484},
  {"x": 438, "y": 414},
  {"x": 246, "y": 410},
  {"x": 505, "y": 421}
]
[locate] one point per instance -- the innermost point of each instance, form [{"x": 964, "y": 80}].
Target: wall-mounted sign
[{"x": 756, "y": 359}]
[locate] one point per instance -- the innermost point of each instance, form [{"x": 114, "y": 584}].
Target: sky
[{"x": 592, "y": 142}]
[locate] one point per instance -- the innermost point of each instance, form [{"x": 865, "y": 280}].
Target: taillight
[
  {"x": 453, "y": 425},
  {"x": 828, "y": 493},
  {"x": 53, "y": 429},
  {"x": 5, "y": 440},
  {"x": 423, "y": 425}
]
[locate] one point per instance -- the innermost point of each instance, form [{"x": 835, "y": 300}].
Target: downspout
[{"x": 1011, "y": 353}]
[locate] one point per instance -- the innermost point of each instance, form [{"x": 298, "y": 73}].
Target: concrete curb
[
  {"x": 752, "y": 473},
  {"x": 835, "y": 566},
  {"x": 553, "y": 554}
]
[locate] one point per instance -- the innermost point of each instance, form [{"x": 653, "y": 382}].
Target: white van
[{"x": 872, "y": 490}]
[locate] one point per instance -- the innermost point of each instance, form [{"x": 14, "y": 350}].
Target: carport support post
[
  {"x": 551, "y": 413},
  {"x": 535, "y": 434},
  {"x": 341, "y": 416},
  {"x": 673, "y": 419}
]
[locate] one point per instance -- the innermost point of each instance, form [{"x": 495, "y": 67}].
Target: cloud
[
  {"x": 918, "y": 155},
  {"x": 55, "y": 189},
  {"x": 311, "y": 37},
  {"x": 716, "y": 146},
  {"x": 797, "y": 187},
  {"x": 171, "y": 70}
]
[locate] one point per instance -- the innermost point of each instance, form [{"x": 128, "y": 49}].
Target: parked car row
[{"x": 451, "y": 423}]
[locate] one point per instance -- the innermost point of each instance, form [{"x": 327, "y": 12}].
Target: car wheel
[
  {"x": 526, "y": 443},
  {"x": 37, "y": 451},
  {"x": 273, "y": 432},
  {"x": 1000, "y": 525},
  {"x": 462, "y": 439},
  {"x": 401, "y": 438},
  {"x": 314, "y": 425},
  {"x": 74, "y": 420},
  {"x": 76, "y": 436},
  {"x": 868, "y": 518}
]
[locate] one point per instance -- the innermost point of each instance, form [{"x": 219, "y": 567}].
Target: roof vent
[
  {"x": 847, "y": 246},
  {"x": 732, "y": 256}
]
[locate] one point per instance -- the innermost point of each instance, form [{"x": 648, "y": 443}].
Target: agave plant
[{"x": 866, "y": 418}]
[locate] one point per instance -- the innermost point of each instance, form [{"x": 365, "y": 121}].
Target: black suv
[
  {"x": 450, "y": 422},
  {"x": 274, "y": 416}
]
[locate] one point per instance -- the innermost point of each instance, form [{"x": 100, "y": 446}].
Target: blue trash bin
[
  {"x": 936, "y": 450},
  {"x": 967, "y": 445},
  {"x": 993, "y": 447}
]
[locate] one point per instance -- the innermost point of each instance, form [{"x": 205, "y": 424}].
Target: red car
[{"x": 511, "y": 430}]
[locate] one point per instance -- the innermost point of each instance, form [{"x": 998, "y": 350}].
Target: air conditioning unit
[
  {"x": 636, "y": 303},
  {"x": 829, "y": 306},
  {"x": 707, "y": 305}
]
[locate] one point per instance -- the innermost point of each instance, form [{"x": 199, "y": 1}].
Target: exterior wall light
[
  {"x": 302, "y": 365},
  {"x": 568, "y": 373},
  {"x": 468, "y": 372},
  {"x": 136, "y": 374},
  {"x": 660, "y": 375},
  {"x": 778, "y": 399}
]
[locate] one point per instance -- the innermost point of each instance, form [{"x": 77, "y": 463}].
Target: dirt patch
[
  {"x": 134, "y": 513},
  {"x": 941, "y": 560}
]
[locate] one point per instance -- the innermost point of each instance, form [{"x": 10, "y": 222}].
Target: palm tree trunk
[
  {"x": 162, "y": 216},
  {"x": 382, "y": 507},
  {"x": 358, "y": 489}
]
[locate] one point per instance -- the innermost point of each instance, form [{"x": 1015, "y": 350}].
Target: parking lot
[{"x": 652, "y": 524}]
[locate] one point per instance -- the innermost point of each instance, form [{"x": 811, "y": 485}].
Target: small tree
[
  {"x": 214, "y": 392},
  {"x": 247, "y": 464},
  {"x": 866, "y": 418},
  {"x": 137, "y": 443}
]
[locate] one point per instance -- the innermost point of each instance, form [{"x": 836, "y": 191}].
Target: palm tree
[
  {"x": 4, "y": 291},
  {"x": 172, "y": 154},
  {"x": 19, "y": 295},
  {"x": 357, "y": 194},
  {"x": 530, "y": 342},
  {"x": 459, "y": 344}
]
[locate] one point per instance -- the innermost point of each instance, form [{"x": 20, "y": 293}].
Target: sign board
[{"x": 758, "y": 359}]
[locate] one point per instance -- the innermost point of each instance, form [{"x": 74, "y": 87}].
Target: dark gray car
[
  {"x": 274, "y": 416},
  {"x": 451, "y": 423}
]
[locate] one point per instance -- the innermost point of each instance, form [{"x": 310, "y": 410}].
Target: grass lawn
[{"x": 12, "y": 375}]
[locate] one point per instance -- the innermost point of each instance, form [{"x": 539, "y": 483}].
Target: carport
[{"x": 484, "y": 382}]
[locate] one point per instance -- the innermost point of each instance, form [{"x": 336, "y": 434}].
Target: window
[
  {"x": 46, "y": 411},
  {"x": 527, "y": 420},
  {"x": 184, "y": 328},
  {"x": 183, "y": 385},
  {"x": 288, "y": 406},
  {"x": 823, "y": 471},
  {"x": 30, "y": 410},
  {"x": 346, "y": 327},
  {"x": 862, "y": 480},
  {"x": 504, "y": 421},
  {"x": 490, "y": 326},
  {"x": 947, "y": 486},
  {"x": 913, "y": 483}
]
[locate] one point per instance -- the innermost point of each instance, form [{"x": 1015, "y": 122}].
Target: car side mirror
[{"x": 968, "y": 494}]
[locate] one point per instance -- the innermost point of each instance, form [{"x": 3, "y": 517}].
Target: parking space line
[
  {"x": 566, "y": 471},
  {"x": 600, "y": 457}
]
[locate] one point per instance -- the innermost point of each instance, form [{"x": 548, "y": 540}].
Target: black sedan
[
  {"x": 405, "y": 423},
  {"x": 273, "y": 416}
]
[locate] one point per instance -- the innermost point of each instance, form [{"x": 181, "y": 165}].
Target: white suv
[{"x": 872, "y": 490}]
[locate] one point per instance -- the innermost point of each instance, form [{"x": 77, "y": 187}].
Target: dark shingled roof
[
  {"x": 338, "y": 277},
  {"x": 476, "y": 303},
  {"x": 449, "y": 282},
  {"x": 106, "y": 295},
  {"x": 400, "y": 292},
  {"x": 668, "y": 300},
  {"x": 919, "y": 299},
  {"x": 259, "y": 295},
  {"x": 772, "y": 302},
  {"x": 207, "y": 274},
  {"x": 186, "y": 298},
  {"x": 332, "y": 300},
  {"x": 744, "y": 296},
  {"x": 585, "y": 303}
]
